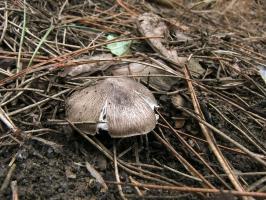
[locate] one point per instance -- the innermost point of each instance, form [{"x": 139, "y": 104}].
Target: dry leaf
[
  {"x": 97, "y": 176},
  {"x": 149, "y": 25},
  {"x": 179, "y": 123},
  {"x": 177, "y": 100},
  {"x": 90, "y": 67},
  {"x": 194, "y": 66},
  {"x": 161, "y": 83},
  {"x": 181, "y": 37}
]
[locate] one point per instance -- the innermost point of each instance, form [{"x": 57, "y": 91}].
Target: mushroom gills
[{"x": 102, "y": 123}]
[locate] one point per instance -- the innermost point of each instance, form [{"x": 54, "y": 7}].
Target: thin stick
[
  {"x": 210, "y": 138},
  {"x": 225, "y": 136},
  {"x": 193, "y": 151},
  {"x": 193, "y": 189},
  {"x": 14, "y": 188},
  {"x": 5, "y": 23},
  {"x": 136, "y": 187},
  {"x": 119, "y": 187},
  {"x": 22, "y": 36},
  {"x": 8, "y": 177},
  {"x": 188, "y": 166}
]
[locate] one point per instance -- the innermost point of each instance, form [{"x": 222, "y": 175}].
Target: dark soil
[{"x": 49, "y": 160}]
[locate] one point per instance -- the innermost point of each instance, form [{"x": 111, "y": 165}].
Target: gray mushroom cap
[{"x": 121, "y": 106}]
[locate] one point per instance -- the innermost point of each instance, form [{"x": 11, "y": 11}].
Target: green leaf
[{"x": 118, "y": 48}]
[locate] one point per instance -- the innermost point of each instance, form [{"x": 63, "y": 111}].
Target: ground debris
[{"x": 51, "y": 49}]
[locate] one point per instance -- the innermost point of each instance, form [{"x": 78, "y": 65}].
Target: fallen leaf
[
  {"x": 90, "y": 67},
  {"x": 118, "y": 48},
  {"x": 97, "y": 176},
  {"x": 177, "y": 100},
  {"x": 179, "y": 123},
  {"x": 160, "y": 82},
  {"x": 194, "y": 66},
  {"x": 149, "y": 25}
]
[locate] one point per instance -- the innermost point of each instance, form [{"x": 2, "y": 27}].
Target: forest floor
[{"x": 211, "y": 144}]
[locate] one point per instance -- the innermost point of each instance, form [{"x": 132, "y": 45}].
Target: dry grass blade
[
  {"x": 194, "y": 152},
  {"x": 197, "y": 190},
  {"x": 22, "y": 37},
  {"x": 187, "y": 165},
  {"x": 40, "y": 44},
  {"x": 7, "y": 178},
  {"x": 253, "y": 155},
  {"x": 117, "y": 176},
  {"x": 7, "y": 121},
  {"x": 209, "y": 137}
]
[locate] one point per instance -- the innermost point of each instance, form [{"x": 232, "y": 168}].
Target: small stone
[
  {"x": 177, "y": 100},
  {"x": 179, "y": 123},
  {"x": 23, "y": 154},
  {"x": 101, "y": 163},
  {"x": 69, "y": 173}
]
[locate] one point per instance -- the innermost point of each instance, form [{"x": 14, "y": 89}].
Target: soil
[{"x": 48, "y": 161}]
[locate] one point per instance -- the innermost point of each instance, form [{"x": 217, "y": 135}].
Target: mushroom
[{"x": 121, "y": 106}]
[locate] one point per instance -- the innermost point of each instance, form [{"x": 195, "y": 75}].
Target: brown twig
[
  {"x": 210, "y": 138},
  {"x": 194, "y": 190}
]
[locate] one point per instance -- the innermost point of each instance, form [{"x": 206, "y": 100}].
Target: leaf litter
[{"x": 221, "y": 43}]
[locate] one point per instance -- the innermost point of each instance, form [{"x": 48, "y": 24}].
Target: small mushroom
[{"x": 121, "y": 106}]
